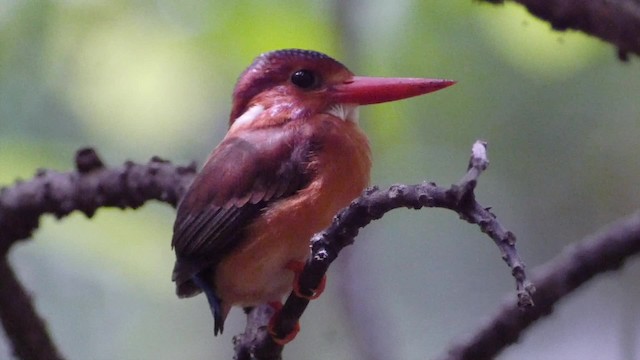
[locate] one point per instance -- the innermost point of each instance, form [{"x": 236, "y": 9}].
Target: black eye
[{"x": 303, "y": 78}]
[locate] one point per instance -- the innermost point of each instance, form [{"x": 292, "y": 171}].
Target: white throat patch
[
  {"x": 248, "y": 116},
  {"x": 345, "y": 112}
]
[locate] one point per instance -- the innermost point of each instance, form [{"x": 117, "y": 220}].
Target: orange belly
[{"x": 255, "y": 273}]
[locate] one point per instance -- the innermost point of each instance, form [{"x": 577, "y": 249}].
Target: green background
[{"x": 141, "y": 78}]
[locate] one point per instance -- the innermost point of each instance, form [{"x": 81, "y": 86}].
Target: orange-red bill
[{"x": 364, "y": 90}]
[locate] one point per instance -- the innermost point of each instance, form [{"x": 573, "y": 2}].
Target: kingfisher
[{"x": 293, "y": 156}]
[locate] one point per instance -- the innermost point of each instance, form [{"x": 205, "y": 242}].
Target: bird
[{"x": 293, "y": 156}]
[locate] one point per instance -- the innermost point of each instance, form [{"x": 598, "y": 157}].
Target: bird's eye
[{"x": 303, "y": 78}]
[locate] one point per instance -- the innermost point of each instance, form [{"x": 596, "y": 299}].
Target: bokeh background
[{"x": 141, "y": 78}]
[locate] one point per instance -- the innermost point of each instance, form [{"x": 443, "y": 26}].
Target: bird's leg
[
  {"x": 277, "y": 306},
  {"x": 297, "y": 267},
  {"x": 214, "y": 302}
]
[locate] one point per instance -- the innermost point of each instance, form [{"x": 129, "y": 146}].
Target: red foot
[
  {"x": 296, "y": 267},
  {"x": 277, "y": 306}
]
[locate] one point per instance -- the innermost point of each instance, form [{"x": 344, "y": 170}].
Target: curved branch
[
  {"x": 577, "y": 264},
  {"x": 59, "y": 193},
  {"x": 372, "y": 205},
  {"x": 614, "y": 21}
]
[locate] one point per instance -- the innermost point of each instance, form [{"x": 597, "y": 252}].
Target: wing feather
[{"x": 242, "y": 176}]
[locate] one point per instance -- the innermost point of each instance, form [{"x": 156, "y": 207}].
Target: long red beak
[{"x": 373, "y": 90}]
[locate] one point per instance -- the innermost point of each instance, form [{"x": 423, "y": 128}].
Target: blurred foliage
[{"x": 142, "y": 78}]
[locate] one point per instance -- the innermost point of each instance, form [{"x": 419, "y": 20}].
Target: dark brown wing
[{"x": 241, "y": 177}]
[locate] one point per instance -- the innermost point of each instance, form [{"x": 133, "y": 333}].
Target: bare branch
[
  {"x": 614, "y": 21},
  {"x": 23, "y": 326},
  {"x": 90, "y": 187},
  {"x": 576, "y": 265},
  {"x": 372, "y": 205}
]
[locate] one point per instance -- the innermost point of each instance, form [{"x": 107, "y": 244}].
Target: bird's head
[{"x": 295, "y": 84}]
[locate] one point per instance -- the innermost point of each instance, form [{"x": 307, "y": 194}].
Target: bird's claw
[
  {"x": 282, "y": 341},
  {"x": 297, "y": 267}
]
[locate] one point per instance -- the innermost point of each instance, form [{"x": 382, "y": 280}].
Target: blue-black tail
[{"x": 214, "y": 302}]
